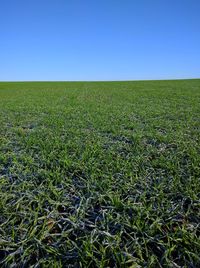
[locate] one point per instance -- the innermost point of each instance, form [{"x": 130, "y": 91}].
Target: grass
[{"x": 100, "y": 174}]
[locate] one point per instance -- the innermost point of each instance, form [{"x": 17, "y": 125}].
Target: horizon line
[{"x": 123, "y": 80}]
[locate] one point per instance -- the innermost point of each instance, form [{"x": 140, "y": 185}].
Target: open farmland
[{"x": 100, "y": 174}]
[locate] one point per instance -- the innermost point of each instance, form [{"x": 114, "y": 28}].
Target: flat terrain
[{"x": 100, "y": 174}]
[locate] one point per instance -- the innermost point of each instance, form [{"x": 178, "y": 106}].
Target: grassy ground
[{"x": 100, "y": 174}]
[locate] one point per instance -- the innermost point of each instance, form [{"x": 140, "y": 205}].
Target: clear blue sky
[{"x": 99, "y": 39}]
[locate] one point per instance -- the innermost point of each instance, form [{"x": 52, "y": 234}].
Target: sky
[{"x": 71, "y": 40}]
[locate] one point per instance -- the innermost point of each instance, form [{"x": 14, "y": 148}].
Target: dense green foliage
[{"x": 100, "y": 174}]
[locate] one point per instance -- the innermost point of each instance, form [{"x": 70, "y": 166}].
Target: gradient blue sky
[{"x": 99, "y": 39}]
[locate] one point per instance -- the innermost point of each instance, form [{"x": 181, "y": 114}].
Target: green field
[{"x": 100, "y": 174}]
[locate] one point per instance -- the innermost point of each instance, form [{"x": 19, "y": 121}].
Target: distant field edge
[{"x": 98, "y": 81}]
